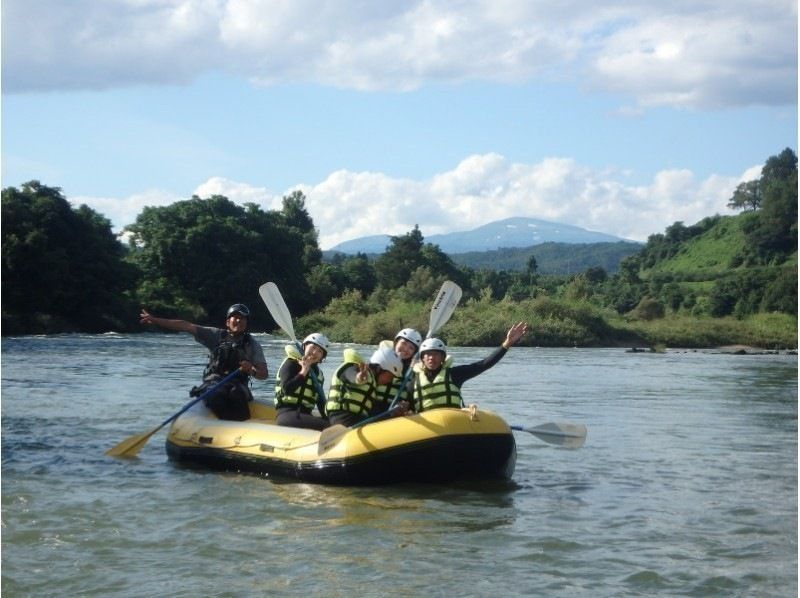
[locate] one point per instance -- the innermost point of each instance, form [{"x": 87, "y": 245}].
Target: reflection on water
[{"x": 685, "y": 484}]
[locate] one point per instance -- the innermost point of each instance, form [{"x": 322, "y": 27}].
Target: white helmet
[
  {"x": 387, "y": 360},
  {"x": 318, "y": 339},
  {"x": 432, "y": 344},
  {"x": 411, "y": 335}
]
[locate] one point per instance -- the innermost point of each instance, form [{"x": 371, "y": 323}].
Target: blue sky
[{"x": 621, "y": 117}]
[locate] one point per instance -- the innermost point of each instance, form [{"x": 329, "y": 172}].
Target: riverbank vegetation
[{"x": 724, "y": 280}]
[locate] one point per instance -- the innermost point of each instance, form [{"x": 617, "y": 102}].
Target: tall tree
[
  {"x": 200, "y": 255},
  {"x": 63, "y": 269},
  {"x": 531, "y": 268},
  {"x": 296, "y": 216},
  {"x": 359, "y": 274},
  {"x": 773, "y": 234},
  {"x": 747, "y": 196},
  {"x": 405, "y": 254}
]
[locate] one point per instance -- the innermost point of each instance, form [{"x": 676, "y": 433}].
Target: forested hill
[
  {"x": 551, "y": 258},
  {"x": 729, "y": 265},
  {"x": 722, "y": 265}
]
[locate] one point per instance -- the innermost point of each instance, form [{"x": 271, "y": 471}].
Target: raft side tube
[{"x": 435, "y": 446}]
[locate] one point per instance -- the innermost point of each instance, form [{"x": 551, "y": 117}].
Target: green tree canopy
[
  {"x": 200, "y": 255},
  {"x": 747, "y": 196},
  {"x": 62, "y": 268},
  {"x": 773, "y": 234},
  {"x": 405, "y": 254},
  {"x": 295, "y": 215}
]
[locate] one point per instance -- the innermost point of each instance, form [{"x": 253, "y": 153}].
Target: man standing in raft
[
  {"x": 231, "y": 348},
  {"x": 437, "y": 384}
]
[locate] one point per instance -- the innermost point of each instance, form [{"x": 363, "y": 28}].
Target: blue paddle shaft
[{"x": 208, "y": 392}]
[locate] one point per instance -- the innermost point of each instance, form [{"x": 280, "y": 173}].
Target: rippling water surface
[{"x": 687, "y": 485}]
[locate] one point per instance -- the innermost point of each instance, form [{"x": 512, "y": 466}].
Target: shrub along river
[{"x": 687, "y": 484}]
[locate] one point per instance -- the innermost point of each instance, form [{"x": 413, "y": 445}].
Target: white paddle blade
[
  {"x": 277, "y": 308},
  {"x": 443, "y": 306},
  {"x": 562, "y": 429},
  {"x": 330, "y": 436},
  {"x": 566, "y": 435}
]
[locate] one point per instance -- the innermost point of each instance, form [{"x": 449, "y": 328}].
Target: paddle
[
  {"x": 443, "y": 307},
  {"x": 558, "y": 433},
  {"x": 283, "y": 318},
  {"x": 131, "y": 446}
]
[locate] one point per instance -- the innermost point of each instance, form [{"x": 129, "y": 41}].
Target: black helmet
[{"x": 238, "y": 308}]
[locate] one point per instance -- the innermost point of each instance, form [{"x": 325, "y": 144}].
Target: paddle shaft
[
  {"x": 206, "y": 393},
  {"x": 560, "y": 434},
  {"x": 133, "y": 444}
]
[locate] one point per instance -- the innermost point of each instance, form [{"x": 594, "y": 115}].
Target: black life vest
[{"x": 227, "y": 355}]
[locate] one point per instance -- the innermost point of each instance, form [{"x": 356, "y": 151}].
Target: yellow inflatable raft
[{"x": 436, "y": 446}]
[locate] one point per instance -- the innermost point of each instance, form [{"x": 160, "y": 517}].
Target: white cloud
[
  {"x": 707, "y": 58},
  {"x": 239, "y": 192},
  {"x": 122, "y": 211},
  {"x": 698, "y": 54},
  {"x": 480, "y": 189}
]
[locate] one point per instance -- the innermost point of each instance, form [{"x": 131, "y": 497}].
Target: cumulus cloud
[
  {"x": 699, "y": 54},
  {"x": 481, "y": 189},
  {"x": 240, "y": 192},
  {"x": 747, "y": 55},
  {"x": 484, "y": 188},
  {"x": 122, "y": 211}
]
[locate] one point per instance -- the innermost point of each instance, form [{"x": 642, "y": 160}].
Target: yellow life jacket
[
  {"x": 436, "y": 393},
  {"x": 348, "y": 396},
  {"x": 305, "y": 394}
]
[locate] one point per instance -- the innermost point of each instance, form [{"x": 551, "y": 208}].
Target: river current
[{"x": 686, "y": 486}]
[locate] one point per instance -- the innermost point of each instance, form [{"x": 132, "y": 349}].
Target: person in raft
[
  {"x": 406, "y": 344},
  {"x": 353, "y": 388},
  {"x": 295, "y": 390},
  {"x": 230, "y": 348},
  {"x": 437, "y": 383}
]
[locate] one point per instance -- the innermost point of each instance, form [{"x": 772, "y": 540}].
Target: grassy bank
[{"x": 554, "y": 323}]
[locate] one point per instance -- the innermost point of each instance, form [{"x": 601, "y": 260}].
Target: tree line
[{"x": 64, "y": 270}]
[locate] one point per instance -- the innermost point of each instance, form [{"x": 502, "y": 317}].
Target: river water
[{"x": 686, "y": 486}]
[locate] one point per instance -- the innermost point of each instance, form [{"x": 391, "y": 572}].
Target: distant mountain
[{"x": 511, "y": 232}]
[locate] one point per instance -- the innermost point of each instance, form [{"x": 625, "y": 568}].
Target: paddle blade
[
  {"x": 562, "y": 434},
  {"x": 443, "y": 306},
  {"x": 330, "y": 436},
  {"x": 277, "y": 308},
  {"x": 131, "y": 446}
]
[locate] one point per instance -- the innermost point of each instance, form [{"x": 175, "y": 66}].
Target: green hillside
[
  {"x": 551, "y": 258},
  {"x": 716, "y": 267},
  {"x": 709, "y": 254}
]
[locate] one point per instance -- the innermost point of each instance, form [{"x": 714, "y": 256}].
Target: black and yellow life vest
[
  {"x": 227, "y": 355},
  {"x": 385, "y": 393},
  {"x": 305, "y": 394},
  {"x": 348, "y": 396},
  {"x": 436, "y": 393}
]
